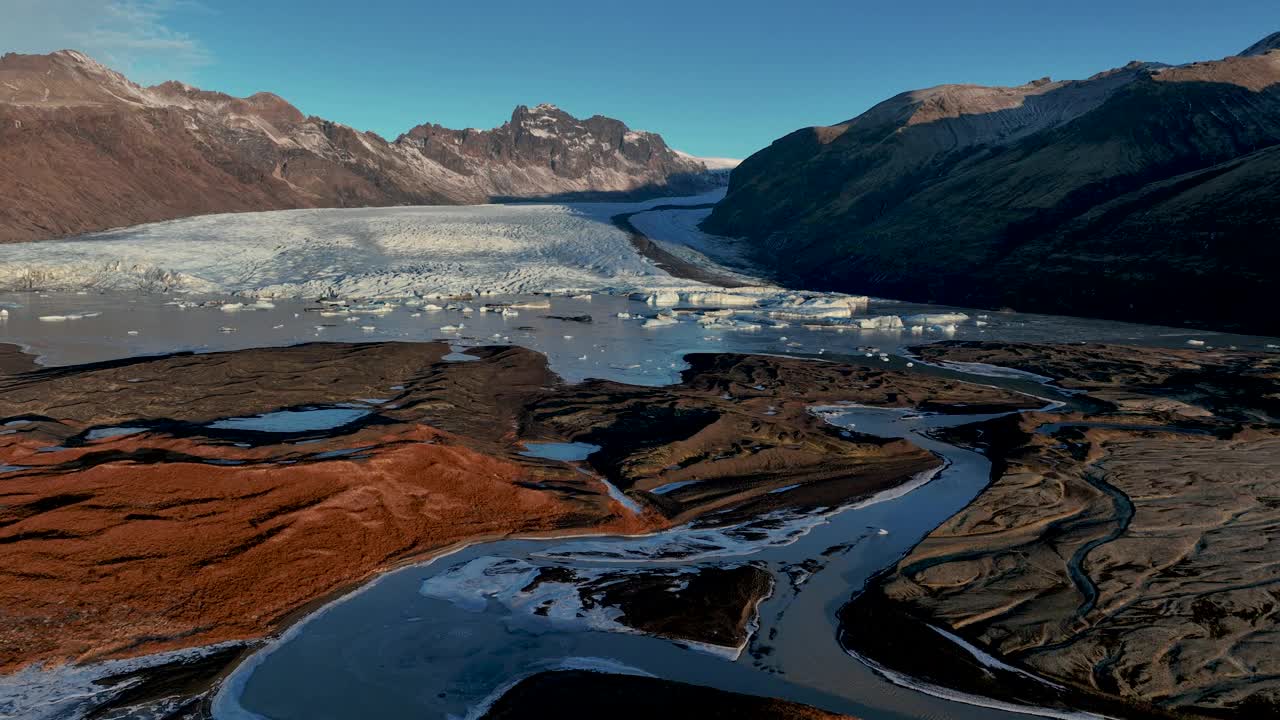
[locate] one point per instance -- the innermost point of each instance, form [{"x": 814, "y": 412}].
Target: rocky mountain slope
[
  {"x": 1146, "y": 192},
  {"x": 82, "y": 148}
]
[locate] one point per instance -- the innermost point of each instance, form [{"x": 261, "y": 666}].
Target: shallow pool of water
[
  {"x": 293, "y": 421},
  {"x": 566, "y": 451}
]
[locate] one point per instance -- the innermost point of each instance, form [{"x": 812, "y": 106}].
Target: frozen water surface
[
  {"x": 566, "y": 451},
  {"x": 292, "y": 421}
]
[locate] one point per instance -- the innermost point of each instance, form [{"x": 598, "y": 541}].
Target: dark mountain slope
[{"x": 1143, "y": 193}]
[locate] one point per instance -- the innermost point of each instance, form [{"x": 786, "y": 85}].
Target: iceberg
[
  {"x": 935, "y": 318},
  {"x": 881, "y": 322},
  {"x": 722, "y": 299}
]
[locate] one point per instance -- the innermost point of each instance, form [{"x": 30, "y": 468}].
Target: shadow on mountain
[{"x": 1158, "y": 204}]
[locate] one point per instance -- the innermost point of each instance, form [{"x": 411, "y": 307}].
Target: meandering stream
[{"x": 390, "y": 650}]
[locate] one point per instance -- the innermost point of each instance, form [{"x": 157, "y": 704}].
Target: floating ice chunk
[
  {"x": 660, "y": 321},
  {"x": 53, "y": 318},
  {"x": 935, "y": 318},
  {"x": 1197, "y": 343},
  {"x": 881, "y": 322},
  {"x": 723, "y": 299},
  {"x": 586, "y": 297},
  {"x": 452, "y": 328},
  {"x": 533, "y": 305},
  {"x": 716, "y": 323},
  {"x": 225, "y": 329},
  {"x": 232, "y": 307},
  {"x": 949, "y": 329},
  {"x": 368, "y": 328},
  {"x": 625, "y": 315},
  {"x": 508, "y": 312},
  {"x": 432, "y": 307},
  {"x": 131, "y": 332},
  {"x": 664, "y": 297},
  {"x": 799, "y": 307}
]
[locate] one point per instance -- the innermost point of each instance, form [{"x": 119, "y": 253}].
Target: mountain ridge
[
  {"x": 1086, "y": 197},
  {"x": 83, "y": 148}
]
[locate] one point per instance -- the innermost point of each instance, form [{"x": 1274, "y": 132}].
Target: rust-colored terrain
[
  {"x": 1129, "y": 553},
  {"x": 183, "y": 533}
]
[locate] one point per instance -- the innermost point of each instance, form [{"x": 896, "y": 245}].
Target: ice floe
[{"x": 936, "y": 319}]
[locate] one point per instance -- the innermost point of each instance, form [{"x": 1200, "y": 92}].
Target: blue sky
[{"x": 715, "y": 78}]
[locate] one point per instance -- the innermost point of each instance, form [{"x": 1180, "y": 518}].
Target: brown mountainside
[{"x": 82, "y": 148}]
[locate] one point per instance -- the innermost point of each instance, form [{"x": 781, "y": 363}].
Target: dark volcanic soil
[
  {"x": 574, "y": 694},
  {"x": 181, "y": 534},
  {"x": 1130, "y": 555},
  {"x": 739, "y": 427}
]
